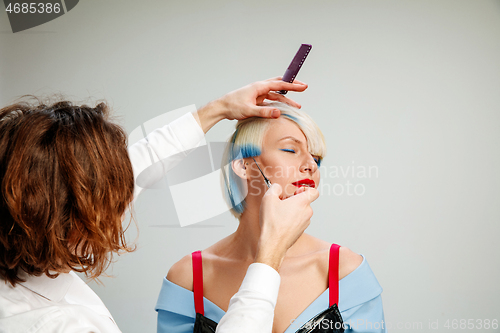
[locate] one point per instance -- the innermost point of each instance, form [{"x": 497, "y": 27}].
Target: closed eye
[{"x": 316, "y": 158}]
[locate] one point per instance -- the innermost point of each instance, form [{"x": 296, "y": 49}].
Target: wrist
[
  {"x": 270, "y": 255},
  {"x": 211, "y": 114}
]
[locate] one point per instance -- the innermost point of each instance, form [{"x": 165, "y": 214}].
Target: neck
[{"x": 245, "y": 240}]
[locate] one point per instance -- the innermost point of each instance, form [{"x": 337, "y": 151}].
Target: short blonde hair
[{"x": 246, "y": 141}]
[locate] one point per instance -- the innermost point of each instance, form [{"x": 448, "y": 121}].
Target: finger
[
  {"x": 299, "y": 82},
  {"x": 310, "y": 194},
  {"x": 309, "y": 213},
  {"x": 267, "y": 86},
  {"x": 274, "y": 190},
  {"x": 280, "y": 78},
  {"x": 279, "y": 97},
  {"x": 265, "y": 112},
  {"x": 277, "y": 78},
  {"x": 299, "y": 190}
]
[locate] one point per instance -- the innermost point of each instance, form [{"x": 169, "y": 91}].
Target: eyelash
[{"x": 293, "y": 151}]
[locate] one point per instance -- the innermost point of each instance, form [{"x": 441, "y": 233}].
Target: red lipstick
[{"x": 305, "y": 182}]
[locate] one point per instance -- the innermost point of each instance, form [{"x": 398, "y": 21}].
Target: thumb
[
  {"x": 275, "y": 190},
  {"x": 313, "y": 194},
  {"x": 266, "y": 112},
  {"x": 309, "y": 194}
]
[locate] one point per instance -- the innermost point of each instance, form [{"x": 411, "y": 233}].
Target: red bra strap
[
  {"x": 198, "y": 282},
  {"x": 333, "y": 274}
]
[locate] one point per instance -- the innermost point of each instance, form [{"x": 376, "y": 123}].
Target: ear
[{"x": 240, "y": 168}]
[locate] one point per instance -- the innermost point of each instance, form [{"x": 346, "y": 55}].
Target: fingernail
[{"x": 275, "y": 113}]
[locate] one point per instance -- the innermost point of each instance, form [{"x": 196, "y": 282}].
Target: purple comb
[{"x": 297, "y": 61}]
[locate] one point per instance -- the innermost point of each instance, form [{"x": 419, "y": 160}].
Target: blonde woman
[{"x": 324, "y": 287}]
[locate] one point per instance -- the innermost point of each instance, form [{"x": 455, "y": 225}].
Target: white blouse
[{"x": 66, "y": 304}]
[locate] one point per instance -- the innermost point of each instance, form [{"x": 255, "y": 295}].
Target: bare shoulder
[
  {"x": 181, "y": 273},
  {"x": 348, "y": 261}
]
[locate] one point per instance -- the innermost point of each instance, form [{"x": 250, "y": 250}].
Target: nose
[{"x": 309, "y": 165}]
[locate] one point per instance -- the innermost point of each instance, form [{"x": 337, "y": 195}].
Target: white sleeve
[
  {"x": 60, "y": 318},
  {"x": 251, "y": 309},
  {"x": 162, "y": 149}
]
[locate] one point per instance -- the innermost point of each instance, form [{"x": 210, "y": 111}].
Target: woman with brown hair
[{"x": 67, "y": 179}]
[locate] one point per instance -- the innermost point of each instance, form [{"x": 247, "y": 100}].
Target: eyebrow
[{"x": 291, "y": 138}]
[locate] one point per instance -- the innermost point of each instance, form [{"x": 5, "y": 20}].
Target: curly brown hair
[{"x": 66, "y": 182}]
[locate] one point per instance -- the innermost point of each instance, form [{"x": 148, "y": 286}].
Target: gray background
[{"x": 411, "y": 87}]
